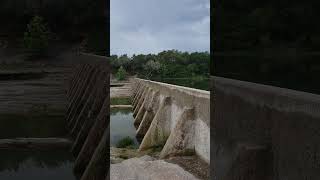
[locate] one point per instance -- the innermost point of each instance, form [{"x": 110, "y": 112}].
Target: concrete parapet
[
  {"x": 263, "y": 132},
  {"x": 171, "y": 116}
]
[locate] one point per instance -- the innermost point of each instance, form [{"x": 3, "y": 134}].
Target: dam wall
[
  {"x": 173, "y": 117},
  {"x": 88, "y": 116},
  {"x": 263, "y": 132}
]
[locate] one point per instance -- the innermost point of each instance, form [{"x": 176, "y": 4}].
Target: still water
[
  {"x": 36, "y": 165},
  {"x": 121, "y": 121},
  {"x": 38, "y": 125}
]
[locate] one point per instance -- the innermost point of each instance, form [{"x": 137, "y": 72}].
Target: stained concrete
[
  {"x": 263, "y": 132},
  {"x": 88, "y": 116},
  {"x": 172, "y": 116}
]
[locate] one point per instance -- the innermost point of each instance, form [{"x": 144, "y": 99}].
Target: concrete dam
[
  {"x": 263, "y": 132},
  {"x": 88, "y": 116},
  {"x": 174, "y": 118},
  {"x": 55, "y": 119},
  {"x": 258, "y": 131}
]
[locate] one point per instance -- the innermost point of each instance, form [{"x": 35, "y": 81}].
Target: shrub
[
  {"x": 121, "y": 74},
  {"x": 36, "y": 38},
  {"x": 125, "y": 142}
]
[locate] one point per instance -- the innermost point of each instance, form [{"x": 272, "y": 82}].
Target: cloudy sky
[{"x": 151, "y": 26}]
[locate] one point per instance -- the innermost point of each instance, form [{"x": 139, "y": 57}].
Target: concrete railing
[
  {"x": 88, "y": 116},
  {"x": 175, "y": 117},
  {"x": 264, "y": 132}
]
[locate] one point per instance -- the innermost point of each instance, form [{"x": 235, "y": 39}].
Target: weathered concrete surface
[
  {"x": 89, "y": 116},
  {"x": 121, "y": 106},
  {"x": 263, "y": 132},
  {"x": 175, "y": 117},
  {"x": 93, "y": 138},
  {"x": 121, "y": 91},
  {"x": 98, "y": 166},
  {"x": 146, "y": 168},
  {"x": 21, "y": 96}
]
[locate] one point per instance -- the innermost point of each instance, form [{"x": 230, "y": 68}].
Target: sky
[{"x": 151, "y": 26}]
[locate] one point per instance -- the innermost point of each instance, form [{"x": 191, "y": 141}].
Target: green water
[
  {"x": 121, "y": 123},
  {"x": 36, "y": 165}
]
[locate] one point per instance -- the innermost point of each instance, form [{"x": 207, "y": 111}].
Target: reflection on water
[
  {"x": 121, "y": 123},
  {"x": 36, "y": 165}
]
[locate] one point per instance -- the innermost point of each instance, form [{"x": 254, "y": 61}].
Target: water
[
  {"x": 33, "y": 165},
  {"x": 36, "y": 124},
  {"x": 121, "y": 122}
]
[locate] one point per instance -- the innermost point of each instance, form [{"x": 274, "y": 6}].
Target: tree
[
  {"x": 152, "y": 67},
  {"x": 121, "y": 74},
  {"x": 36, "y": 38}
]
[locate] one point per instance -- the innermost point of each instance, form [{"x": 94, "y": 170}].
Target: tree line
[{"x": 166, "y": 64}]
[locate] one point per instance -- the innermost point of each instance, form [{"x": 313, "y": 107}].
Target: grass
[
  {"x": 120, "y": 101},
  {"x": 125, "y": 142}
]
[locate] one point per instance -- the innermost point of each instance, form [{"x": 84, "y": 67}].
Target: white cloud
[{"x": 151, "y": 26}]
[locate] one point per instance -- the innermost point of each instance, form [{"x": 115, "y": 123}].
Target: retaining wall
[
  {"x": 263, "y": 132},
  {"x": 88, "y": 116},
  {"x": 174, "y": 117}
]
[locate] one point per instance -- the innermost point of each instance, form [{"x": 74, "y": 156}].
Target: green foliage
[
  {"x": 166, "y": 64},
  {"x": 36, "y": 38},
  {"x": 120, "y": 101},
  {"x": 121, "y": 74},
  {"x": 125, "y": 142}
]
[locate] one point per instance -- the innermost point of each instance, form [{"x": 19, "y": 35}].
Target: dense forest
[
  {"x": 166, "y": 65},
  {"x": 270, "y": 42}
]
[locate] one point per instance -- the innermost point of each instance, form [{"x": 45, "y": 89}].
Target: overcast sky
[{"x": 151, "y": 26}]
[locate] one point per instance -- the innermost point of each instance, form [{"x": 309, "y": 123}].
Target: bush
[
  {"x": 36, "y": 38},
  {"x": 125, "y": 142},
  {"x": 121, "y": 74}
]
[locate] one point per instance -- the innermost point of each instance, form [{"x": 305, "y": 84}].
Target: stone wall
[
  {"x": 88, "y": 116},
  {"x": 174, "y": 117},
  {"x": 263, "y": 132}
]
